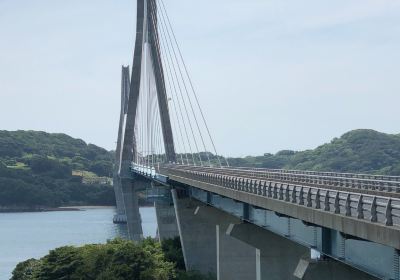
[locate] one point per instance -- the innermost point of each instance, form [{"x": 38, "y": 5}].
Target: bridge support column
[
  {"x": 131, "y": 202},
  {"x": 120, "y": 216},
  {"x": 278, "y": 257},
  {"x": 328, "y": 269},
  {"x": 166, "y": 221},
  {"x": 205, "y": 244}
]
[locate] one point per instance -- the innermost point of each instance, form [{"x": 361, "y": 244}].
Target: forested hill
[
  {"x": 365, "y": 151},
  {"x": 25, "y": 145},
  {"x": 39, "y": 170}
]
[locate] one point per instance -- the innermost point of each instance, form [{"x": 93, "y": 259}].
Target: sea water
[{"x": 32, "y": 235}]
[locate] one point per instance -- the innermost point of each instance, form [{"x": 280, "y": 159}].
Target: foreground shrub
[{"x": 116, "y": 260}]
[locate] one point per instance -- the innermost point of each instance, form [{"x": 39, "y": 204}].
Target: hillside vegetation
[
  {"x": 116, "y": 260},
  {"x": 39, "y": 170},
  {"x": 361, "y": 151}
]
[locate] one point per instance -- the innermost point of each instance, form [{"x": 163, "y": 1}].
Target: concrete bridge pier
[
  {"x": 131, "y": 203},
  {"x": 277, "y": 257},
  {"x": 166, "y": 221},
  {"x": 205, "y": 245},
  {"x": 216, "y": 242},
  {"x": 281, "y": 258},
  {"x": 120, "y": 216},
  {"x": 165, "y": 213}
]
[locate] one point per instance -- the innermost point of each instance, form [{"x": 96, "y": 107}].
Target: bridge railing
[
  {"x": 319, "y": 173},
  {"x": 376, "y": 209},
  {"x": 336, "y": 181},
  {"x": 145, "y": 170}
]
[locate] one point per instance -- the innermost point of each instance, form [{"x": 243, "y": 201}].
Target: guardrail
[
  {"x": 376, "y": 209},
  {"x": 334, "y": 180},
  {"x": 149, "y": 171},
  {"x": 319, "y": 173}
]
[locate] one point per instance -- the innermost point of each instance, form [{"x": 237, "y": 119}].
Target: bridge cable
[
  {"x": 146, "y": 94},
  {"x": 143, "y": 111},
  {"x": 182, "y": 114},
  {"x": 168, "y": 43},
  {"x": 151, "y": 100},
  {"x": 165, "y": 28},
  {"x": 182, "y": 97},
  {"x": 176, "y": 127},
  {"x": 163, "y": 10},
  {"x": 156, "y": 98},
  {"x": 159, "y": 138},
  {"x": 154, "y": 109},
  {"x": 170, "y": 76}
]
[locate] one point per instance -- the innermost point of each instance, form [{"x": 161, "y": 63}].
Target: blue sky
[{"x": 270, "y": 75}]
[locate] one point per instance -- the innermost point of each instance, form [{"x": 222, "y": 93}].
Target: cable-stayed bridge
[{"x": 238, "y": 223}]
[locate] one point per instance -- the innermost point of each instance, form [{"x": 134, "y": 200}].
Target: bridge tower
[
  {"x": 146, "y": 33},
  {"x": 146, "y": 37},
  {"x": 120, "y": 217}
]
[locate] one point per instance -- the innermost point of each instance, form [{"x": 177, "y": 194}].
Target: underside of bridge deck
[
  {"x": 219, "y": 243},
  {"x": 375, "y": 258}
]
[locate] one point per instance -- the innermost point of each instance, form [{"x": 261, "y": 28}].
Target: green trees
[
  {"x": 36, "y": 171},
  {"x": 46, "y": 192},
  {"x": 51, "y": 167},
  {"x": 359, "y": 151},
  {"x": 41, "y": 164},
  {"x": 173, "y": 252},
  {"x": 102, "y": 168},
  {"x": 116, "y": 260},
  {"x": 23, "y": 145},
  {"x": 24, "y": 270},
  {"x": 366, "y": 151}
]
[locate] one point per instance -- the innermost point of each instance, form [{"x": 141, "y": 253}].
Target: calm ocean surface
[{"x": 32, "y": 235}]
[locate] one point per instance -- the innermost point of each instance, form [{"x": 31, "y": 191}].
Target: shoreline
[
  {"x": 53, "y": 209},
  {"x": 60, "y": 209}
]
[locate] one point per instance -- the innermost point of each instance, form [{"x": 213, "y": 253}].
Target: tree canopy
[
  {"x": 36, "y": 171},
  {"x": 116, "y": 260},
  {"x": 36, "y": 167},
  {"x": 360, "y": 151}
]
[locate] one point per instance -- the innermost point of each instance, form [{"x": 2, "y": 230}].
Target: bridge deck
[
  {"x": 388, "y": 186},
  {"x": 347, "y": 208}
]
